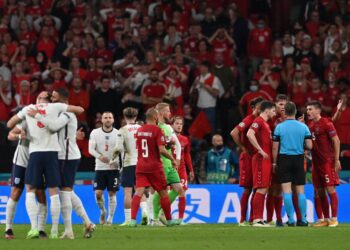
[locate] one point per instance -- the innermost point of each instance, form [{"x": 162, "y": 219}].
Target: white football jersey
[
  {"x": 130, "y": 154},
  {"x": 21, "y": 155},
  {"x": 66, "y": 125},
  {"x": 42, "y": 139},
  {"x": 103, "y": 143}
]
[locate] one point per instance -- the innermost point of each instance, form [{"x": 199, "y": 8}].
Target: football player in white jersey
[
  {"x": 128, "y": 178},
  {"x": 20, "y": 162},
  {"x": 43, "y": 156},
  {"x": 101, "y": 144},
  {"x": 69, "y": 159}
]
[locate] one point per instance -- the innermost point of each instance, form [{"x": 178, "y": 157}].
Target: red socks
[
  {"x": 296, "y": 207},
  {"x": 318, "y": 207},
  {"x": 182, "y": 206},
  {"x": 278, "y": 207},
  {"x": 270, "y": 207},
  {"x": 258, "y": 204},
  {"x": 244, "y": 206},
  {"x": 325, "y": 206},
  {"x": 334, "y": 204},
  {"x": 165, "y": 204},
  {"x": 135, "y": 205}
]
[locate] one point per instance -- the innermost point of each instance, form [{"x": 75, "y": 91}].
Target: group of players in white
[{"x": 47, "y": 157}]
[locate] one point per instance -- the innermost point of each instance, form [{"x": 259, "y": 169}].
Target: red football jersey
[
  {"x": 148, "y": 139},
  {"x": 186, "y": 160},
  {"x": 322, "y": 132},
  {"x": 263, "y": 134},
  {"x": 243, "y": 128}
]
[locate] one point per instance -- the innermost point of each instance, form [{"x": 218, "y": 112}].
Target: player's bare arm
[
  {"x": 13, "y": 121},
  {"x": 235, "y": 134},
  {"x": 254, "y": 142},
  {"x": 75, "y": 109},
  {"x": 336, "y": 146},
  {"x": 16, "y": 134},
  {"x": 308, "y": 144},
  {"x": 275, "y": 149}
]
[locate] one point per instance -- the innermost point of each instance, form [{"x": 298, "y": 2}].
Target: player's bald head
[{"x": 152, "y": 115}]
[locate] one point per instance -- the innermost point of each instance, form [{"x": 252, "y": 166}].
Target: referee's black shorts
[{"x": 290, "y": 168}]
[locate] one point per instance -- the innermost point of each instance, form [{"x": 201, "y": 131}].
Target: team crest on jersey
[
  {"x": 255, "y": 125},
  {"x": 242, "y": 124},
  {"x": 17, "y": 180},
  {"x": 107, "y": 137}
]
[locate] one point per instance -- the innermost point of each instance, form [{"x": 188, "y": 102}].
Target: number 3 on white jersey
[{"x": 144, "y": 147}]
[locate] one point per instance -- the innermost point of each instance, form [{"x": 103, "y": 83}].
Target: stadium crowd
[{"x": 195, "y": 55}]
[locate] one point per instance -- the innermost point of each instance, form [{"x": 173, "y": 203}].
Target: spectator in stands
[
  {"x": 209, "y": 90},
  {"x": 105, "y": 99},
  {"x": 341, "y": 120},
  {"x": 154, "y": 91},
  {"x": 221, "y": 164},
  {"x": 253, "y": 92},
  {"x": 5, "y": 100},
  {"x": 79, "y": 97}
]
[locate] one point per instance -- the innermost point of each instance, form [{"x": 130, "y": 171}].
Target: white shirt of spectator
[
  {"x": 103, "y": 143},
  {"x": 21, "y": 156},
  {"x": 42, "y": 139},
  {"x": 121, "y": 61},
  {"x": 205, "y": 99},
  {"x": 138, "y": 80},
  {"x": 66, "y": 126},
  {"x": 130, "y": 154}
]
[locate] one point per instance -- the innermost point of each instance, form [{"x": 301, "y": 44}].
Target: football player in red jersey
[
  {"x": 149, "y": 169},
  {"x": 326, "y": 164},
  {"x": 259, "y": 135},
  {"x": 186, "y": 160},
  {"x": 239, "y": 135}
]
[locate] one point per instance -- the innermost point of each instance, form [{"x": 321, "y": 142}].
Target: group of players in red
[
  {"x": 257, "y": 176},
  {"x": 151, "y": 144}
]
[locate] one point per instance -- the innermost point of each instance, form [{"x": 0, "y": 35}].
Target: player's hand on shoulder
[{"x": 32, "y": 112}]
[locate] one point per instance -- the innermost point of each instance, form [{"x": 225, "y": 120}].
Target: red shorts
[
  {"x": 245, "y": 170},
  {"x": 183, "y": 178},
  {"x": 156, "y": 179},
  {"x": 324, "y": 175},
  {"x": 262, "y": 171}
]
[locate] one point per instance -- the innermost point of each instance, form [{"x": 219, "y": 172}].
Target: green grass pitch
[{"x": 189, "y": 237}]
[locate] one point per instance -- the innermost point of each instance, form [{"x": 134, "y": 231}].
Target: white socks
[
  {"x": 101, "y": 204},
  {"x": 112, "y": 204},
  {"x": 32, "y": 210},
  {"x": 79, "y": 208},
  {"x": 66, "y": 208},
  {"x": 55, "y": 212},
  {"x": 42, "y": 216},
  {"x": 143, "y": 206},
  {"x": 150, "y": 206},
  {"x": 10, "y": 213},
  {"x": 127, "y": 213}
]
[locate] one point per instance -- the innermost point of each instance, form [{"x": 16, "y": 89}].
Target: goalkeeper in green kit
[{"x": 171, "y": 173}]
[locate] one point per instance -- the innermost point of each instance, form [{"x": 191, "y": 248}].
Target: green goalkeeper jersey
[{"x": 168, "y": 133}]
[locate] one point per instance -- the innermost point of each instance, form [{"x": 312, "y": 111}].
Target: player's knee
[
  {"x": 16, "y": 193},
  {"x": 330, "y": 190}
]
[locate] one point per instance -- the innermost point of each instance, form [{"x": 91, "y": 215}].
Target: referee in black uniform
[{"x": 289, "y": 139}]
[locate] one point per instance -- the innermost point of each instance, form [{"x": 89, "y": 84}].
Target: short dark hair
[
  {"x": 315, "y": 104},
  {"x": 130, "y": 112},
  {"x": 266, "y": 105},
  {"x": 63, "y": 93},
  {"x": 281, "y": 97},
  {"x": 255, "y": 102},
  {"x": 205, "y": 64},
  {"x": 290, "y": 109}
]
